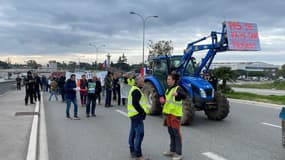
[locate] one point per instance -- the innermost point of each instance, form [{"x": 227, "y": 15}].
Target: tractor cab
[{"x": 167, "y": 64}]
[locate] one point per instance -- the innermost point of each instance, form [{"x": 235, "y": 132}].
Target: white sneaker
[
  {"x": 177, "y": 157},
  {"x": 168, "y": 154}
]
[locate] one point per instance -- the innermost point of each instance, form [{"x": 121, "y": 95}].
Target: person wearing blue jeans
[
  {"x": 70, "y": 89},
  {"x": 136, "y": 136},
  {"x": 137, "y": 110},
  {"x": 68, "y": 104}
]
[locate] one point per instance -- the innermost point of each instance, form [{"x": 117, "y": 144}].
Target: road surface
[{"x": 250, "y": 132}]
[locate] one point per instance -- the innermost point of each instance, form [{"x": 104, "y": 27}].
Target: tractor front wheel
[
  {"x": 221, "y": 108},
  {"x": 188, "y": 111},
  {"x": 152, "y": 98}
]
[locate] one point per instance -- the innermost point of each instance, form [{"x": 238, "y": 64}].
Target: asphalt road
[
  {"x": 250, "y": 132},
  {"x": 7, "y": 86}
]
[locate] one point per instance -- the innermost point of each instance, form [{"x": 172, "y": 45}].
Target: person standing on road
[
  {"x": 91, "y": 98},
  {"x": 82, "y": 83},
  {"x": 108, "y": 88},
  {"x": 70, "y": 90},
  {"x": 116, "y": 87},
  {"x": 61, "y": 87},
  {"x": 131, "y": 80},
  {"x": 29, "y": 85},
  {"x": 18, "y": 80},
  {"x": 53, "y": 89},
  {"x": 44, "y": 83},
  {"x": 98, "y": 90},
  {"x": 38, "y": 85},
  {"x": 137, "y": 110},
  {"x": 173, "y": 111}
]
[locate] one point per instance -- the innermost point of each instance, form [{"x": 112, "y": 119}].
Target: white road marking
[
  {"x": 213, "y": 156},
  {"x": 272, "y": 125},
  {"x": 121, "y": 112}
]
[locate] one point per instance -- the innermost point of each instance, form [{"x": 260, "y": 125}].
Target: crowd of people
[{"x": 91, "y": 89}]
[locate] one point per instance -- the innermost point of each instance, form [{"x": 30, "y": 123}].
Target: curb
[
  {"x": 43, "y": 144},
  {"x": 32, "y": 148},
  {"x": 38, "y": 146}
]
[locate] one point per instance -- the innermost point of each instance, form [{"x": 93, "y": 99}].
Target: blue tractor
[{"x": 201, "y": 94}]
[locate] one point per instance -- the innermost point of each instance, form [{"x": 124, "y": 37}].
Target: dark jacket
[
  {"x": 38, "y": 83},
  {"x": 108, "y": 82},
  {"x": 98, "y": 87},
  {"x": 136, "y": 96},
  {"x": 29, "y": 83},
  {"x": 68, "y": 88}
]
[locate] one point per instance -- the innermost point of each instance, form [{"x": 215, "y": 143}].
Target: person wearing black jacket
[
  {"x": 116, "y": 88},
  {"x": 30, "y": 86},
  {"x": 70, "y": 90},
  {"x": 108, "y": 87},
  {"x": 38, "y": 85},
  {"x": 98, "y": 90},
  {"x": 92, "y": 96},
  {"x": 60, "y": 84},
  {"x": 18, "y": 80},
  {"x": 137, "y": 110}
]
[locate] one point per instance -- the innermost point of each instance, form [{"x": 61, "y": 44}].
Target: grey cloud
[{"x": 55, "y": 26}]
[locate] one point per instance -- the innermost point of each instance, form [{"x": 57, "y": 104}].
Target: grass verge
[
  {"x": 255, "y": 97},
  {"x": 277, "y": 85}
]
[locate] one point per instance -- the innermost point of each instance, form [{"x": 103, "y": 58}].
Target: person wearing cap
[{"x": 137, "y": 110}]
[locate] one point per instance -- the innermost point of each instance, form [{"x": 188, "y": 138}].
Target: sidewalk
[{"x": 14, "y": 130}]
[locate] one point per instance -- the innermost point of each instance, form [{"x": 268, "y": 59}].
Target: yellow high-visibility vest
[
  {"x": 172, "y": 106},
  {"x": 131, "y": 109},
  {"x": 131, "y": 81}
]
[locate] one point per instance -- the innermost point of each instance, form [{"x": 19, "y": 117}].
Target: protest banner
[{"x": 242, "y": 36}]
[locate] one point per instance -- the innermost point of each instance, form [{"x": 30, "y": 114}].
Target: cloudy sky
[{"x": 62, "y": 29}]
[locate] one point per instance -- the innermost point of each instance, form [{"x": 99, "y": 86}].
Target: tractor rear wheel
[
  {"x": 221, "y": 110},
  {"x": 188, "y": 111},
  {"x": 152, "y": 98}
]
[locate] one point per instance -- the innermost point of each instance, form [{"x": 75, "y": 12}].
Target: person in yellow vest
[
  {"x": 172, "y": 109},
  {"x": 137, "y": 110},
  {"x": 131, "y": 80}
]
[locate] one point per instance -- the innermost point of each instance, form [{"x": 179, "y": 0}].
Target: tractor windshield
[{"x": 189, "y": 69}]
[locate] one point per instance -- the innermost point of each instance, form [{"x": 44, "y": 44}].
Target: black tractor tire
[
  {"x": 221, "y": 110},
  {"x": 152, "y": 98},
  {"x": 188, "y": 111}
]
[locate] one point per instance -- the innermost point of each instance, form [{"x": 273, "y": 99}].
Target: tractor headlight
[{"x": 203, "y": 93}]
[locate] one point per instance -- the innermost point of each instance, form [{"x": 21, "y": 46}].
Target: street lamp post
[
  {"x": 97, "y": 47},
  {"x": 144, "y": 19}
]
